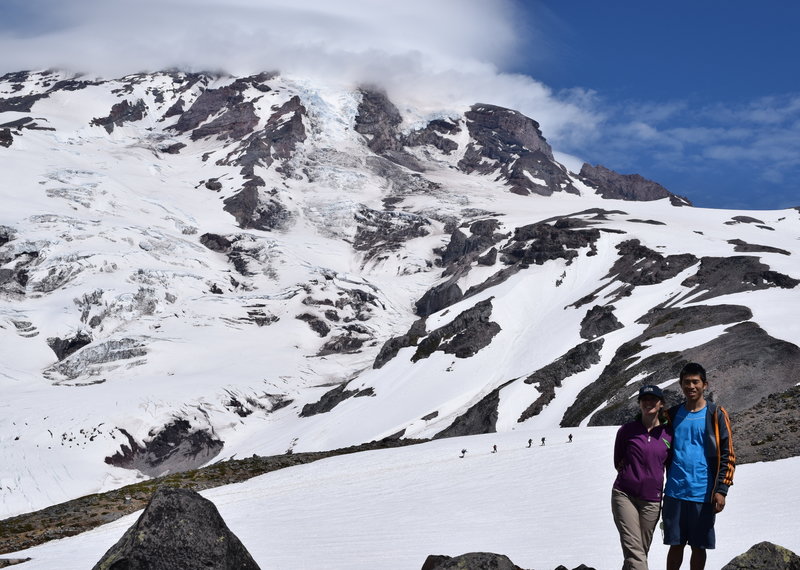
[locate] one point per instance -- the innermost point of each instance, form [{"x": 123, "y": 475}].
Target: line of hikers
[{"x": 530, "y": 443}]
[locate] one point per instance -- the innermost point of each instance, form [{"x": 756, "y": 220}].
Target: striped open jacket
[{"x": 719, "y": 446}]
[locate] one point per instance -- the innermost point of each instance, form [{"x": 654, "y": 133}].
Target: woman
[{"x": 640, "y": 454}]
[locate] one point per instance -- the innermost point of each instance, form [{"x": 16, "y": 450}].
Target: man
[{"x": 700, "y": 472}]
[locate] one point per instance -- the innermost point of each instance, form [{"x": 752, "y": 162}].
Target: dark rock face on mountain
[
  {"x": 612, "y": 185},
  {"x": 769, "y": 430},
  {"x": 227, "y": 103},
  {"x": 178, "y": 529},
  {"x": 378, "y": 120},
  {"x": 754, "y": 364},
  {"x": 392, "y": 346},
  {"x": 510, "y": 144},
  {"x": 640, "y": 265},
  {"x": 719, "y": 276},
  {"x": 541, "y": 242},
  {"x": 479, "y": 418},
  {"x": 333, "y": 398},
  {"x": 253, "y": 210},
  {"x": 463, "y": 337},
  {"x": 63, "y": 347},
  {"x": 471, "y": 561},
  {"x": 438, "y": 298},
  {"x": 435, "y": 134},
  {"x": 765, "y": 556},
  {"x": 548, "y": 378},
  {"x": 599, "y": 320},
  {"x": 176, "y": 447},
  {"x": 744, "y": 247},
  {"x": 463, "y": 249},
  {"x": 120, "y": 114},
  {"x": 469, "y": 332}
]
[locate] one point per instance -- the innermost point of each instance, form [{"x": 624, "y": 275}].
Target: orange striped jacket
[{"x": 718, "y": 444}]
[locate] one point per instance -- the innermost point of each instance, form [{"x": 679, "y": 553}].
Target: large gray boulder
[
  {"x": 178, "y": 529},
  {"x": 470, "y": 561},
  {"x": 765, "y": 556}
]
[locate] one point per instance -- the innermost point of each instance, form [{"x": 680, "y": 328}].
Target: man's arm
[{"x": 727, "y": 457}]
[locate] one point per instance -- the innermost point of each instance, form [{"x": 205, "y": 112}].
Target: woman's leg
[
  {"x": 648, "y": 519},
  {"x": 626, "y": 517}
]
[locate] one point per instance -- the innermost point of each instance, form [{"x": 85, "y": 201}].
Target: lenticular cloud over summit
[
  {"x": 436, "y": 53},
  {"x": 247, "y": 36}
]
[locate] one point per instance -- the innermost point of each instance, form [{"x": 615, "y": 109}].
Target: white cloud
[{"x": 435, "y": 54}]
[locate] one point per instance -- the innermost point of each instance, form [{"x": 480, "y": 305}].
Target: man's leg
[
  {"x": 675, "y": 557},
  {"x": 698, "y": 559}
]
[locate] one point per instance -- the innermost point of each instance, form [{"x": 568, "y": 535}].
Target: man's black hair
[{"x": 692, "y": 369}]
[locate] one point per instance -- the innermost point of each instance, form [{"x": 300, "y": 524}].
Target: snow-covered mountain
[{"x": 195, "y": 267}]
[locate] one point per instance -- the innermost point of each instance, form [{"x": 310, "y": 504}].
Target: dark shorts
[{"x": 687, "y": 522}]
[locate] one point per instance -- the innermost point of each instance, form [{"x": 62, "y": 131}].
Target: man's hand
[{"x": 719, "y": 502}]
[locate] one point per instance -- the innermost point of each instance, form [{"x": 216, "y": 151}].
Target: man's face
[{"x": 692, "y": 386}]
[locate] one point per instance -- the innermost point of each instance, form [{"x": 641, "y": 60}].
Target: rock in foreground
[
  {"x": 765, "y": 556},
  {"x": 178, "y": 529}
]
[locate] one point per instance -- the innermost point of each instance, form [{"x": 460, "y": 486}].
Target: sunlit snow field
[{"x": 542, "y": 506}]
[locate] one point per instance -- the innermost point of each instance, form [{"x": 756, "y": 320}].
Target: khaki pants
[{"x": 636, "y": 520}]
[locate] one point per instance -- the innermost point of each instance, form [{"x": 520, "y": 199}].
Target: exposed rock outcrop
[
  {"x": 121, "y": 113},
  {"x": 743, "y": 363},
  {"x": 612, "y": 185},
  {"x": 175, "y": 447},
  {"x": 599, "y": 321},
  {"x": 769, "y": 430},
  {"x": 439, "y": 297},
  {"x": 392, "y": 346},
  {"x": 178, "y": 529},
  {"x": 479, "y": 418},
  {"x": 541, "y": 242},
  {"x": 63, "y": 347},
  {"x": 333, "y": 398},
  {"x": 511, "y": 145},
  {"x": 744, "y": 247},
  {"x": 378, "y": 120},
  {"x": 548, "y": 378},
  {"x": 719, "y": 276},
  {"x": 464, "y": 336},
  {"x": 765, "y": 556}
]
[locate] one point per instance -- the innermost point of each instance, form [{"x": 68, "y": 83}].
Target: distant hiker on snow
[
  {"x": 463, "y": 453},
  {"x": 570, "y": 439},
  {"x": 530, "y": 442},
  {"x": 700, "y": 472},
  {"x": 641, "y": 451},
  {"x": 494, "y": 449},
  {"x": 542, "y": 441}
]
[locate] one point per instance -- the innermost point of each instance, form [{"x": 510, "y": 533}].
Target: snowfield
[
  {"x": 541, "y": 506},
  {"x": 118, "y": 228}
]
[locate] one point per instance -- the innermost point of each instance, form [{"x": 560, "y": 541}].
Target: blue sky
[{"x": 702, "y": 97}]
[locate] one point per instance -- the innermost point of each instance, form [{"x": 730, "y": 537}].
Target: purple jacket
[{"x": 640, "y": 458}]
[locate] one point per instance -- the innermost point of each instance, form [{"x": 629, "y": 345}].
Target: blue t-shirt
[{"x": 688, "y": 477}]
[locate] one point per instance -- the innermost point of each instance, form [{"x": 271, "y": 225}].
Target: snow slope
[
  {"x": 541, "y": 506},
  {"x": 110, "y": 227}
]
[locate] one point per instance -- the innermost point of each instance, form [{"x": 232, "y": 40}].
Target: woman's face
[{"x": 650, "y": 404}]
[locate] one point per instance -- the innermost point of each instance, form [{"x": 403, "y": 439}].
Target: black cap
[{"x": 651, "y": 390}]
